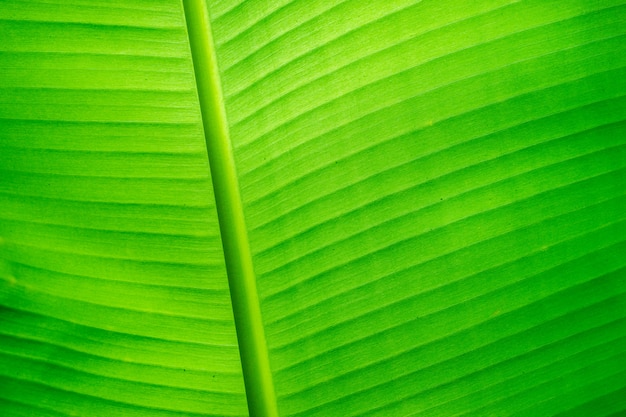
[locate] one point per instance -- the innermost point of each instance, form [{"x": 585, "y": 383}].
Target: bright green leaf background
[{"x": 434, "y": 194}]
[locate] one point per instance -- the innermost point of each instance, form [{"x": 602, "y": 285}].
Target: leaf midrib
[{"x": 238, "y": 258}]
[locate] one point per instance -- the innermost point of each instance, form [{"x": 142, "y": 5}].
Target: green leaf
[
  {"x": 411, "y": 208},
  {"x": 114, "y": 294}
]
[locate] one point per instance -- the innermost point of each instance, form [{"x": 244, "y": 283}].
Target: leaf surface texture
[
  {"x": 113, "y": 289},
  {"x": 433, "y": 193},
  {"x": 435, "y": 199}
]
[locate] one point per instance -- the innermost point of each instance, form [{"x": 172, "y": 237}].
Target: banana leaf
[{"x": 312, "y": 208}]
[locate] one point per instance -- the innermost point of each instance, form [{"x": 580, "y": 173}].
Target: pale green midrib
[{"x": 242, "y": 281}]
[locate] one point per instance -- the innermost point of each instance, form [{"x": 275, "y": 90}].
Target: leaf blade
[
  {"x": 114, "y": 294},
  {"x": 398, "y": 163}
]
